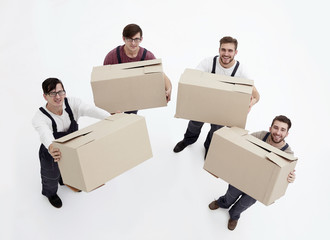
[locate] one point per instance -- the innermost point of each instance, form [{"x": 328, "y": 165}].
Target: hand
[
  {"x": 168, "y": 95},
  {"x": 116, "y": 112},
  {"x": 252, "y": 102},
  {"x": 291, "y": 176},
  {"x": 54, "y": 152}
]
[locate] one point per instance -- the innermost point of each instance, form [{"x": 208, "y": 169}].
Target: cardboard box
[
  {"x": 129, "y": 86},
  {"x": 94, "y": 155},
  {"x": 213, "y": 98},
  {"x": 249, "y": 164}
]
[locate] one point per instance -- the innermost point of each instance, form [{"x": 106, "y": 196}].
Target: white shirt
[
  {"x": 207, "y": 64},
  {"x": 43, "y": 124}
]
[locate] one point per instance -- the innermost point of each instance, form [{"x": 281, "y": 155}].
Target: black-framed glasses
[
  {"x": 60, "y": 93},
  {"x": 136, "y": 40}
]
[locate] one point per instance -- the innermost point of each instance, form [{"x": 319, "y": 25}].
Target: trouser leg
[
  {"x": 240, "y": 206},
  {"x": 50, "y": 173},
  {"x": 49, "y": 184},
  {"x": 192, "y": 132},
  {"x": 230, "y": 197},
  {"x": 210, "y": 134}
]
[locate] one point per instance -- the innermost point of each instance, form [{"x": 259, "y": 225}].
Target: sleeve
[
  {"x": 259, "y": 134},
  {"x": 205, "y": 65},
  {"x": 83, "y": 109},
  {"x": 289, "y": 150},
  {"x": 111, "y": 58},
  {"x": 150, "y": 56},
  {"x": 43, "y": 125},
  {"x": 241, "y": 72}
]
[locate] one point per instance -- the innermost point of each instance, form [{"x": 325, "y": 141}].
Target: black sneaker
[
  {"x": 180, "y": 146},
  {"x": 55, "y": 201}
]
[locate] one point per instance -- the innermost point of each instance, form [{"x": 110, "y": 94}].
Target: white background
[{"x": 283, "y": 45}]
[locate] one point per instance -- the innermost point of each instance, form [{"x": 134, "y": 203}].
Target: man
[
  {"x": 224, "y": 64},
  {"x": 237, "y": 200},
  {"x": 132, "y": 52},
  {"x": 52, "y": 121}
]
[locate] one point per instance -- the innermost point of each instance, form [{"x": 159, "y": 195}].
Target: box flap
[
  {"x": 153, "y": 69},
  {"x": 239, "y": 131},
  {"x": 192, "y": 76},
  {"x": 275, "y": 159},
  {"x": 236, "y": 80},
  {"x": 100, "y": 73},
  {"x": 242, "y": 88},
  {"x": 137, "y": 64},
  {"x": 270, "y": 148},
  {"x": 73, "y": 135}
]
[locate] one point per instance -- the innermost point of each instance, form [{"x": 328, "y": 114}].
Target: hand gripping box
[
  {"x": 129, "y": 86},
  {"x": 213, "y": 98},
  {"x": 249, "y": 164},
  {"x": 94, "y": 155}
]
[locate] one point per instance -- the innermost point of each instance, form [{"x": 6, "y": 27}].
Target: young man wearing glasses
[
  {"x": 132, "y": 52},
  {"x": 57, "y": 118}
]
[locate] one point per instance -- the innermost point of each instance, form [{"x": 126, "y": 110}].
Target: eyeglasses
[
  {"x": 136, "y": 40},
  {"x": 60, "y": 93}
]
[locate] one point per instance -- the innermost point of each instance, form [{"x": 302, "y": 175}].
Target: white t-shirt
[
  {"x": 43, "y": 124},
  {"x": 207, "y": 64}
]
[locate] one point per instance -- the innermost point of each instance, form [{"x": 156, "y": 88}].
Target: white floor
[{"x": 283, "y": 45}]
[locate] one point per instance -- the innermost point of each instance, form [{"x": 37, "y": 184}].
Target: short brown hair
[
  {"x": 284, "y": 119},
  {"x": 131, "y": 30},
  {"x": 228, "y": 39}
]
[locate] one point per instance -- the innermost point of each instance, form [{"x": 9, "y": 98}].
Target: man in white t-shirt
[
  {"x": 57, "y": 118},
  {"x": 224, "y": 64}
]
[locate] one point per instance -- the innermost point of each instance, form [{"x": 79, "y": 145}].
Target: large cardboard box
[
  {"x": 129, "y": 86},
  {"x": 249, "y": 164},
  {"x": 94, "y": 155},
  {"x": 213, "y": 98}
]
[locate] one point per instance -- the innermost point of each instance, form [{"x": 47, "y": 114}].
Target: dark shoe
[
  {"x": 55, "y": 201},
  {"x": 232, "y": 224},
  {"x": 213, "y": 205},
  {"x": 180, "y": 146}
]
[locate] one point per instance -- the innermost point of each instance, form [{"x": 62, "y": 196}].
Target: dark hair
[
  {"x": 228, "y": 39},
  {"x": 131, "y": 30},
  {"x": 284, "y": 119},
  {"x": 50, "y": 84}
]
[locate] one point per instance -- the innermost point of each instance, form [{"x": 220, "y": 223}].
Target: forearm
[
  {"x": 168, "y": 84},
  {"x": 255, "y": 96}
]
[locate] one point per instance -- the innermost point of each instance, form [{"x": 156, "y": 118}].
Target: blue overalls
[
  {"x": 119, "y": 61},
  {"x": 232, "y": 194},
  {"x": 50, "y": 173},
  {"x": 194, "y": 127}
]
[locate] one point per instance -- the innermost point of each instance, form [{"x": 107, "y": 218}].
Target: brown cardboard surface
[
  {"x": 94, "y": 155},
  {"x": 213, "y": 98},
  {"x": 129, "y": 86},
  {"x": 251, "y": 165}
]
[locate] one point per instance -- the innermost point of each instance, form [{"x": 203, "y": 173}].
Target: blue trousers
[
  {"x": 236, "y": 200},
  {"x": 194, "y": 129}
]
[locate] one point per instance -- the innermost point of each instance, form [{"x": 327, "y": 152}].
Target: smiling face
[
  {"x": 227, "y": 53},
  {"x": 56, "y": 102},
  {"x": 278, "y": 131}
]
